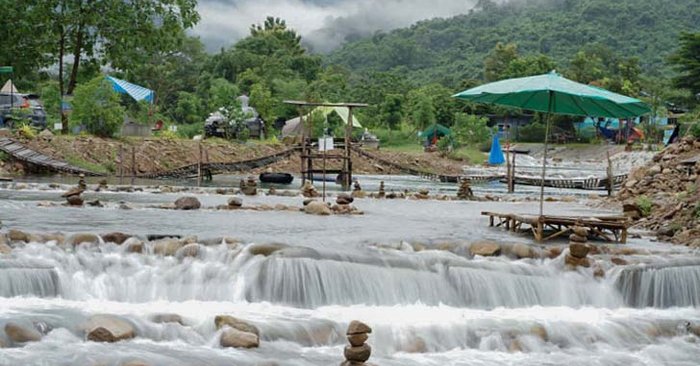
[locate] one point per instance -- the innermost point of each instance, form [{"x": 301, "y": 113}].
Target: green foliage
[
  {"x": 188, "y": 108},
  {"x": 445, "y": 145},
  {"x": 694, "y": 130},
  {"x": 96, "y": 107},
  {"x": 392, "y": 110},
  {"x": 51, "y": 98},
  {"x": 533, "y": 132},
  {"x": 191, "y": 130},
  {"x": 26, "y": 131},
  {"x": 4, "y": 156},
  {"x": 470, "y": 129},
  {"x": 423, "y": 114},
  {"x": 687, "y": 62},
  {"x": 393, "y": 138},
  {"x": 261, "y": 99},
  {"x": 222, "y": 94},
  {"x": 645, "y": 205}
]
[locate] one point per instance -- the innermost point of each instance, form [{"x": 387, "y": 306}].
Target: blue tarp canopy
[{"x": 137, "y": 92}]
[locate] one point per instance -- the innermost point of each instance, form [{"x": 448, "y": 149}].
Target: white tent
[
  {"x": 9, "y": 88},
  {"x": 293, "y": 126}
]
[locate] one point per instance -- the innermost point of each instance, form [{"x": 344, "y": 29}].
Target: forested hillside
[{"x": 452, "y": 50}]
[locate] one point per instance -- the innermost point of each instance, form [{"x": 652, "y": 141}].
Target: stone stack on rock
[
  {"x": 358, "y": 352},
  {"x": 73, "y": 195},
  {"x": 357, "y": 191},
  {"x": 102, "y": 185},
  {"x": 423, "y": 194},
  {"x": 381, "y": 193},
  {"x": 663, "y": 196},
  {"x": 249, "y": 187},
  {"x": 578, "y": 249},
  {"x": 344, "y": 205},
  {"x": 465, "y": 190},
  {"x": 308, "y": 190}
]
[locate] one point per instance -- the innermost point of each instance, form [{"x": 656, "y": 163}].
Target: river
[{"x": 390, "y": 268}]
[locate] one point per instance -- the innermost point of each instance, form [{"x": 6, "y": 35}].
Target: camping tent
[
  {"x": 9, "y": 88},
  {"x": 137, "y": 92},
  {"x": 436, "y": 131},
  {"x": 293, "y": 126}
]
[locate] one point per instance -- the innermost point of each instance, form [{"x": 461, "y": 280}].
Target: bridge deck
[{"x": 24, "y": 154}]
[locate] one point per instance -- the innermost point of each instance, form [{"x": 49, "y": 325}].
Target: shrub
[
  {"x": 470, "y": 129},
  {"x": 645, "y": 205},
  {"x": 96, "y": 107},
  {"x": 533, "y": 132},
  {"x": 26, "y": 131}
]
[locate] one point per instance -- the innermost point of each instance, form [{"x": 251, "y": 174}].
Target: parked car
[{"x": 29, "y": 106}]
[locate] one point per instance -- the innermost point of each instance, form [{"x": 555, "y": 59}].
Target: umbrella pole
[{"x": 544, "y": 159}]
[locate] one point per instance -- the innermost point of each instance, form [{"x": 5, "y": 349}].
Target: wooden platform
[
  {"x": 608, "y": 228},
  {"x": 26, "y": 155}
]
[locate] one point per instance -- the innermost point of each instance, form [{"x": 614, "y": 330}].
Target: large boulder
[
  {"x": 317, "y": 208},
  {"x": 485, "y": 248},
  {"x": 167, "y": 247},
  {"x": 108, "y": 328},
  {"x": 82, "y": 238},
  {"x": 358, "y": 354},
  {"x": 187, "y": 203},
  {"x": 226, "y": 320},
  {"x": 231, "y": 337},
  {"x": 19, "y": 333},
  {"x": 115, "y": 237}
]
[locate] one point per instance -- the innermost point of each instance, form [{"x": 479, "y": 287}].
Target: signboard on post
[
  {"x": 6, "y": 69},
  {"x": 325, "y": 144}
]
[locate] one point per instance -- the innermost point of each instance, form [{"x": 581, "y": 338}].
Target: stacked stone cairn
[
  {"x": 102, "y": 186},
  {"x": 308, "y": 190},
  {"x": 249, "y": 187},
  {"x": 381, "y": 193},
  {"x": 357, "y": 191},
  {"x": 423, "y": 194},
  {"x": 465, "y": 190},
  {"x": 578, "y": 249},
  {"x": 72, "y": 196},
  {"x": 358, "y": 352}
]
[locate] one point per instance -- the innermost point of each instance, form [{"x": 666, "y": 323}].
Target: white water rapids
[{"x": 429, "y": 307}]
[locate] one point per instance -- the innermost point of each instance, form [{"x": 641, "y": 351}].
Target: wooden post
[
  {"x": 199, "y": 166},
  {"x": 512, "y": 176},
  {"x": 121, "y": 164},
  {"x": 610, "y": 175},
  {"x": 133, "y": 164},
  {"x": 304, "y": 153},
  {"x": 324, "y": 168},
  {"x": 347, "y": 166}
]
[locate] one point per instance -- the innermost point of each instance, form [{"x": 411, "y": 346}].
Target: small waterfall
[
  {"x": 25, "y": 279},
  {"x": 660, "y": 286}
]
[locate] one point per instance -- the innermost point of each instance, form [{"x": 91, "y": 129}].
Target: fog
[{"x": 324, "y": 24}]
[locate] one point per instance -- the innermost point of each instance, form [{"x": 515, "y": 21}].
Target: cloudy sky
[{"x": 324, "y": 24}]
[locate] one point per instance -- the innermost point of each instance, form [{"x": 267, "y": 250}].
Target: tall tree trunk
[
  {"x": 77, "y": 51},
  {"x": 61, "y": 50}
]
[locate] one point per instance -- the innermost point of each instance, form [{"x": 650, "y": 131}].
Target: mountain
[{"x": 452, "y": 50}]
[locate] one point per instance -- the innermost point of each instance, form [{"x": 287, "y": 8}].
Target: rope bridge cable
[{"x": 406, "y": 169}]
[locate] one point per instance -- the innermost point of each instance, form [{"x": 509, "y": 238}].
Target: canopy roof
[
  {"x": 436, "y": 129},
  {"x": 293, "y": 126},
  {"x": 137, "y": 92},
  {"x": 553, "y": 93},
  {"x": 9, "y": 88}
]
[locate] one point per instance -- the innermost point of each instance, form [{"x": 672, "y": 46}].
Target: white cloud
[{"x": 323, "y": 24}]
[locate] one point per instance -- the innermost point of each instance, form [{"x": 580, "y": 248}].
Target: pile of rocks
[
  {"x": 308, "y": 190},
  {"x": 465, "y": 190},
  {"x": 358, "y": 352},
  {"x": 578, "y": 249},
  {"x": 664, "y": 195},
  {"x": 73, "y": 195},
  {"x": 249, "y": 187},
  {"x": 344, "y": 205},
  {"x": 423, "y": 194},
  {"x": 381, "y": 193}
]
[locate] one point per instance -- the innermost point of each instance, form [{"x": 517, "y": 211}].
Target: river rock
[
  {"x": 523, "y": 251},
  {"x": 577, "y": 238},
  {"x": 265, "y": 249},
  {"x": 317, "y": 208},
  {"x": 344, "y": 199},
  {"x": 235, "y": 202},
  {"x": 95, "y": 203},
  {"x": 167, "y": 318},
  {"x": 540, "y": 332},
  {"x": 486, "y": 249},
  {"x": 167, "y": 247},
  {"x": 226, "y": 320},
  {"x": 231, "y": 337},
  {"x": 579, "y": 250},
  {"x": 75, "y": 191},
  {"x": 358, "y": 327},
  {"x": 75, "y": 201},
  {"x": 358, "y": 354},
  {"x": 108, "y": 328},
  {"x": 618, "y": 261},
  {"x": 115, "y": 237},
  {"x": 133, "y": 245},
  {"x": 189, "y": 250},
  {"x": 581, "y": 231},
  {"x": 5, "y": 249},
  {"x": 80, "y": 238},
  {"x": 19, "y": 333},
  {"x": 575, "y": 262},
  {"x": 415, "y": 345},
  {"x": 17, "y": 235},
  {"x": 631, "y": 210},
  {"x": 187, "y": 203}
]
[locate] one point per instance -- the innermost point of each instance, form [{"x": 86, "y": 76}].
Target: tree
[
  {"x": 686, "y": 62},
  {"x": 222, "y": 94},
  {"x": 261, "y": 99},
  {"x": 96, "y": 108},
  {"x": 392, "y": 110},
  {"x": 424, "y": 113},
  {"x": 470, "y": 129},
  {"x": 188, "y": 108},
  {"x": 528, "y": 66},
  {"x": 497, "y": 61}
]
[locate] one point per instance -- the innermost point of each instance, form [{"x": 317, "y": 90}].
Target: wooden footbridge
[
  {"x": 608, "y": 228},
  {"x": 26, "y": 155},
  {"x": 406, "y": 169}
]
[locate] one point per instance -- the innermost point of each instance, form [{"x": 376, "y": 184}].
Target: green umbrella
[{"x": 553, "y": 94}]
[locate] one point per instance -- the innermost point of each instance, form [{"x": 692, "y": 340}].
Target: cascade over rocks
[
  {"x": 115, "y": 237},
  {"x": 17, "y": 235},
  {"x": 226, "y": 320},
  {"x": 108, "y": 328},
  {"x": 485, "y": 249},
  {"x": 265, "y": 249},
  {"x": 81, "y": 238}
]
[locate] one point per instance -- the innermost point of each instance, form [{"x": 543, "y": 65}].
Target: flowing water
[{"x": 426, "y": 307}]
